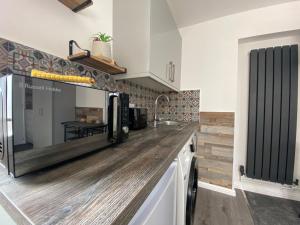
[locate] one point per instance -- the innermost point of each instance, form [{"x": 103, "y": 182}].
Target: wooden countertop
[{"x": 106, "y": 187}]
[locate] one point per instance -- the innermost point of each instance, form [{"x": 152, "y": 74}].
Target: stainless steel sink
[{"x": 168, "y": 123}]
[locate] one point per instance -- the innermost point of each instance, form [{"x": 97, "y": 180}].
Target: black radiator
[{"x": 272, "y": 119}]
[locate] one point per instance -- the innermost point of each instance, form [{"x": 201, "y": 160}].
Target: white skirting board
[
  {"x": 269, "y": 188},
  {"x": 216, "y": 188}
]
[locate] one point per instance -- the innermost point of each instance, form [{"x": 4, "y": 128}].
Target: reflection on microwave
[{"x": 47, "y": 125}]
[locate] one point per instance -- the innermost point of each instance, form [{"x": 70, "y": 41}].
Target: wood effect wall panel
[
  {"x": 215, "y": 152},
  {"x": 216, "y": 166},
  {"x": 217, "y": 129},
  {"x": 293, "y": 114},
  {"x": 276, "y": 114},
  {"x": 252, "y": 113},
  {"x": 268, "y": 115},
  {"x": 216, "y": 139},
  {"x": 285, "y": 105},
  {"x": 215, "y": 148},
  {"x": 222, "y": 151},
  {"x": 212, "y": 177},
  {"x": 222, "y": 119}
]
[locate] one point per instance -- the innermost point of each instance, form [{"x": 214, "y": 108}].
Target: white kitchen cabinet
[
  {"x": 5, "y": 218},
  {"x": 147, "y": 42},
  {"x": 160, "y": 206},
  {"x": 177, "y": 59}
]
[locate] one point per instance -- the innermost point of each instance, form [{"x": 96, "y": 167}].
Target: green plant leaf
[{"x": 102, "y": 37}]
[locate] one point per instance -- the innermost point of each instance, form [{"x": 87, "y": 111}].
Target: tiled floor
[{"x": 273, "y": 211}]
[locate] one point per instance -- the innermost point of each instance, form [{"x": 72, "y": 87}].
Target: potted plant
[{"x": 101, "y": 45}]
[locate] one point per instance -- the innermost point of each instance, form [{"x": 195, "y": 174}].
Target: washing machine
[{"x": 187, "y": 182}]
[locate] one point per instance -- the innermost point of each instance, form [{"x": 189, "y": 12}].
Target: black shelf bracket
[{"x": 71, "y": 46}]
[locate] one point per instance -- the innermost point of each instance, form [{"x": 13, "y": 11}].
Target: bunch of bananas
[{"x": 60, "y": 77}]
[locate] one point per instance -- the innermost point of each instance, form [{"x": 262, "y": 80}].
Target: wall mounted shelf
[
  {"x": 77, "y": 5},
  {"x": 84, "y": 57},
  {"x": 105, "y": 65}
]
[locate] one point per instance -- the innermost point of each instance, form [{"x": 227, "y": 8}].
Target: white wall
[
  {"x": 210, "y": 60},
  {"x": 48, "y": 25},
  {"x": 241, "y": 123},
  {"x": 210, "y": 51}
]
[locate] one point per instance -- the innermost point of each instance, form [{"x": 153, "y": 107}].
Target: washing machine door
[{"x": 192, "y": 192}]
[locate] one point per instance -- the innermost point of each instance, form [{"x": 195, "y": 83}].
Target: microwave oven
[{"x": 46, "y": 122}]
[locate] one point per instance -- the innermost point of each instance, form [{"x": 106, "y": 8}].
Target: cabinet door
[
  {"x": 175, "y": 56},
  {"x": 160, "y": 206},
  {"x": 162, "y": 41},
  {"x": 177, "y": 61},
  {"x": 131, "y": 30},
  {"x": 5, "y": 218}
]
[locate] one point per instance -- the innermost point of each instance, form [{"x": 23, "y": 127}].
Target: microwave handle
[
  {"x": 2, "y": 124},
  {"x": 113, "y": 114}
]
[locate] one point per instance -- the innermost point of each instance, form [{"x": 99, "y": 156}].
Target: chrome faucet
[{"x": 155, "y": 108}]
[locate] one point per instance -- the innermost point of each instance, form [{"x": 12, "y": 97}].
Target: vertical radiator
[{"x": 272, "y": 119}]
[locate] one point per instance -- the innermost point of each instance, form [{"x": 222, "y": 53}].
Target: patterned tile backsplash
[
  {"x": 141, "y": 97},
  {"x": 183, "y": 106},
  {"x": 19, "y": 59}
]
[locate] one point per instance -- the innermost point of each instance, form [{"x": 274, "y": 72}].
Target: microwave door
[
  {"x": 4, "y": 142},
  {"x": 50, "y": 122}
]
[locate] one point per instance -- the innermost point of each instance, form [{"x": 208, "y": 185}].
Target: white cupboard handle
[
  {"x": 170, "y": 71},
  {"x": 173, "y": 73},
  {"x": 167, "y": 70}
]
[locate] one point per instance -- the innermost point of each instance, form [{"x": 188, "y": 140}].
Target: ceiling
[{"x": 189, "y": 12}]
